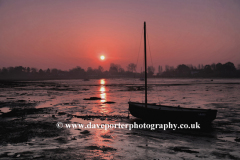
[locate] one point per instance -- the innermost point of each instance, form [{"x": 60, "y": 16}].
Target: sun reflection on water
[
  {"x": 102, "y": 137},
  {"x": 102, "y": 91},
  {"x": 102, "y": 81},
  {"x": 103, "y": 96},
  {"x": 103, "y": 140}
]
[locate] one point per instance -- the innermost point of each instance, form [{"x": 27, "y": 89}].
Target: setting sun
[{"x": 102, "y": 57}]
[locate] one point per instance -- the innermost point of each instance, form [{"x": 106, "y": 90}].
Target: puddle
[{"x": 4, "y": 110}]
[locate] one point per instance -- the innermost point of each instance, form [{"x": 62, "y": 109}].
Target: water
[{"x": 32, "y": 109}]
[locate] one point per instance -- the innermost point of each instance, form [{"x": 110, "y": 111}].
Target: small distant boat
[
  {"x": 162, "y": 113},
  {"x": 86, "y": 79},
  {"x": 141, "y": 79}
]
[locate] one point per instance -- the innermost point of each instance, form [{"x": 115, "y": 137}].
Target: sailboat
[{"x": 162, "y": 113}]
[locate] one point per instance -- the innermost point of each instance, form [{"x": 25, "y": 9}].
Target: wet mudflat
[{"x": 29, "y": 112}]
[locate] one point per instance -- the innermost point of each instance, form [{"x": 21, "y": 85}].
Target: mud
[{"x": 29, "y": 112}]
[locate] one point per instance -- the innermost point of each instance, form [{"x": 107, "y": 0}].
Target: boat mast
[{"x": 145, "y": 57}]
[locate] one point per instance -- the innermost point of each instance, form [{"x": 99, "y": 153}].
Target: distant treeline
[{"x": 227, "y": 70}]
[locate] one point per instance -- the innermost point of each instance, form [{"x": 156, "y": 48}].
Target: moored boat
[{"x": 163, "y": 113}]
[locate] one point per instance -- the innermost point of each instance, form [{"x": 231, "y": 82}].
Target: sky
[{"x": 64, "y": 34}]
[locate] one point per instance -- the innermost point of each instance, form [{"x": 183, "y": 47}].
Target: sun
[{"x": 102, "y": 57}]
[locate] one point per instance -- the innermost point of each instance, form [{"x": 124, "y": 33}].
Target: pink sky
[{"x": 64, "y": 34}]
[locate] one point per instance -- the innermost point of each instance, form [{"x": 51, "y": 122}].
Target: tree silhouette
[
  {"x": 159, "y": 70},
  {"x": 26, "y": 73},
  {"x": 183, "y": 70},
  {"x": 131, "y": 67},
  {"x": 207, "y": 69},
  {"x": 151, "y": 70},
  {"x": 28, "y": 69},
  {"x": 100, "y": 69},
  {"x": 229, "y": 67}
]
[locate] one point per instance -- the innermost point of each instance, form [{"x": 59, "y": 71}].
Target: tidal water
[{"x": 29, "y": 112}]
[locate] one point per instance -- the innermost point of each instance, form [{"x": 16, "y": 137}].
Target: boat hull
[{"x": 161, "y": 113}]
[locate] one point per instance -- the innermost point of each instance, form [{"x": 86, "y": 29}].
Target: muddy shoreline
[{"x": 29, "y": 113}]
